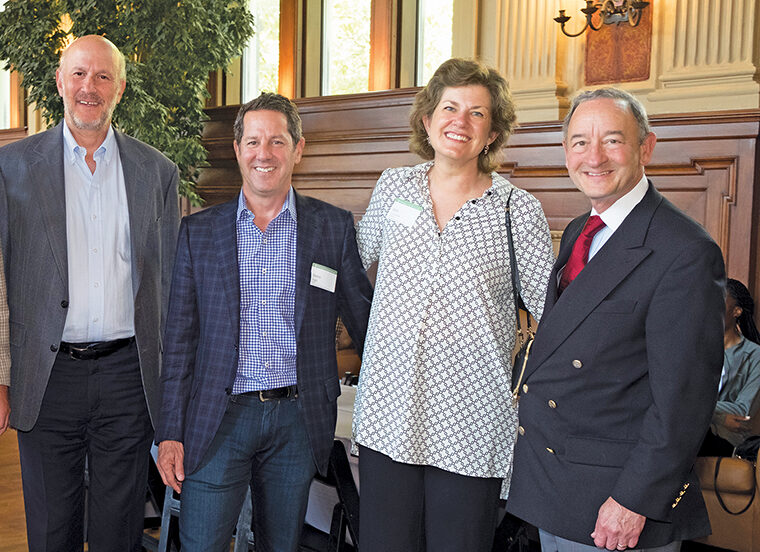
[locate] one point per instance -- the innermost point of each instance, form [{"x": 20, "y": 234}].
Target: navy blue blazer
[
  {"x": 203, "y": 324},
  {"x": 622, "y": 381}
]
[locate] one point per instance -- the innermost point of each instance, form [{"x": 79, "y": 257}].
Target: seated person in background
[{"x": 740, "y": 379}]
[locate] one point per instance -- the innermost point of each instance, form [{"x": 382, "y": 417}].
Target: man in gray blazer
[{"x": 88, "y": 227}]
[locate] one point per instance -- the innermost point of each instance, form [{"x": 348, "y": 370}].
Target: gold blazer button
[
  {"x": 577, "y": 364},
  {"x": 552, "y": 404}
]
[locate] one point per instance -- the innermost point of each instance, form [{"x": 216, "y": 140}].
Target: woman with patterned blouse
[{"x": 433, "y": 418}]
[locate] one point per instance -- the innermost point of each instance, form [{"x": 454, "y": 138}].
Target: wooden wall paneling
[
  {"x": 706, "y": 163},
  {"x": 348, "y": 144},
  {"x": 10, "y": 135}
]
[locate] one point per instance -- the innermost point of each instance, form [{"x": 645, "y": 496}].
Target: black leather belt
[
  {"x": 94, "y": 350},
  {"x": 276, "y": 393}
]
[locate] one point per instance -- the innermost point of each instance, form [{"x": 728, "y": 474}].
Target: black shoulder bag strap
[{"x": 521, "y": 360}]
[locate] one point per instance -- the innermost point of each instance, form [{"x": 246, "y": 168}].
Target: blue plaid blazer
[{"x": 202, "y": 329}]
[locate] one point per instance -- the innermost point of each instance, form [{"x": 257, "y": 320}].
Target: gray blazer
[{"x": 33, "y": 241}]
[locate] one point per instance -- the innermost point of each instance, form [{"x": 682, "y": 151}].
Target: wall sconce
[{"x": 611, "y": 12}]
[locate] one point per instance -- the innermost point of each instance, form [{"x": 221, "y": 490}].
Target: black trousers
[
  {"x": 411, "y": 508},
  {"x": 93, "y": 409}
]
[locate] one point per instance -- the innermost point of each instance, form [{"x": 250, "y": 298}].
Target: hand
[
  {"x": 617, "y": 527},
  {"x": 171, "y": 456},
  {"x": 734, "y": 422},
  {"x": 5, "y": 408}
]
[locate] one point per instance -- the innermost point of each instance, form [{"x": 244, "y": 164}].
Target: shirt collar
[
  {"x": 289, "y": 205},
  {"x": 616, "y": 213},
  {"x": 105, "y": 152}
]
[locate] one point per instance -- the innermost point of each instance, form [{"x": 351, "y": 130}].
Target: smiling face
[
  {"x": 603, "y": 154},
  {"x": 266, "y": 155},
  {"x": 90, "y": 82},
  {"x": 460, "y": 126}
]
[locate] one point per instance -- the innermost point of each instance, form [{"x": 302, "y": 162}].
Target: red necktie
[{"x": 579, "y": 255}]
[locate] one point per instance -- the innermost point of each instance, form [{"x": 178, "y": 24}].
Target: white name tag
[
  {"x": 323, "y": 277},
  {"x": 404, "y": 212}
]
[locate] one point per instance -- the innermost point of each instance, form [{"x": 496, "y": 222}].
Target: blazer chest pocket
[
  {"x": 617, "y": 306},
  {"x": 592, "y": 451}
]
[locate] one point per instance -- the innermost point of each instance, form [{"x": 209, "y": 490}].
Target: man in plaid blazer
[
  {"x": 250, "y": 377},
  {"x": 5, "y": 353}
]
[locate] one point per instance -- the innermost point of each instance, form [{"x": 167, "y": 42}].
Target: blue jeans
[{"x": 263, "y": 444}]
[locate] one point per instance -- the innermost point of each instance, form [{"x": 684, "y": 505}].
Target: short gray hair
[{"x": 637, "y": 109}]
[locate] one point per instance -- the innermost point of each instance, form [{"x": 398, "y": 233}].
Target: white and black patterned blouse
[{"x": 434, "y": 384}]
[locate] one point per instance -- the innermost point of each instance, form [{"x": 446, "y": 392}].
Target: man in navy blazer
[
  {"x": 250, "y": 378},
  {"x": 88, "y": 227},
  {"x": 623, "y": 375}
]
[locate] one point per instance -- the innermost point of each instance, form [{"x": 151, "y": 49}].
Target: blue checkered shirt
[{"x": 267, "y": 266}]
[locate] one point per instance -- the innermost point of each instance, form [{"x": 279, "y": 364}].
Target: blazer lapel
[
  {"x": 137, "y": 184},
  {"x": 47, "y": 172},
  {"x": 569, "y": 236},
  {"x": 622, "y": 253},
  {"x": 224, "y": 240},
  {"x": 309, "y": 227}
]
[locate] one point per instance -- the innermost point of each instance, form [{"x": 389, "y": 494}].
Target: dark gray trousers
[{"x": 94, "y": 410}]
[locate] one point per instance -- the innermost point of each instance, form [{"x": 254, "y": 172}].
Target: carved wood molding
[
  {"x": 704, "y": 162},
  {"x": 10, "y": 135}
]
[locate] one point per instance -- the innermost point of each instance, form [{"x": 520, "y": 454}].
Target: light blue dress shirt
[
  {"x": 101, "y": 303},
  {"x": 267, "y": 266}
]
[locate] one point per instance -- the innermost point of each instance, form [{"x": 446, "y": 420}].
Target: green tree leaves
[{"x": 170, "y": 47}]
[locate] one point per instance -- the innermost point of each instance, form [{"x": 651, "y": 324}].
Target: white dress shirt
[
  {"x": 616, "y": 213},
  {"x": 101, "y": 303}
]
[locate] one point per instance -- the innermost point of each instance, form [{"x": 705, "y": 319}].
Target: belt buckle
[
  {"x": 79, "y": 353},
  {"x": 262, "y": 398},
  {"x": 79, "y": 350}
]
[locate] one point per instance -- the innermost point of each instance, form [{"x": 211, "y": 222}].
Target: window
[
  {"x": 346, "y": 32},
  {"x": 261, "y": 58},
  {"x": 434, "y": 36}
]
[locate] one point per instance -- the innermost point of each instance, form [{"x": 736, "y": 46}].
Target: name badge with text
[
  {"x": 323, "y": 277},
  {"x": 404, "y": 212}
]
